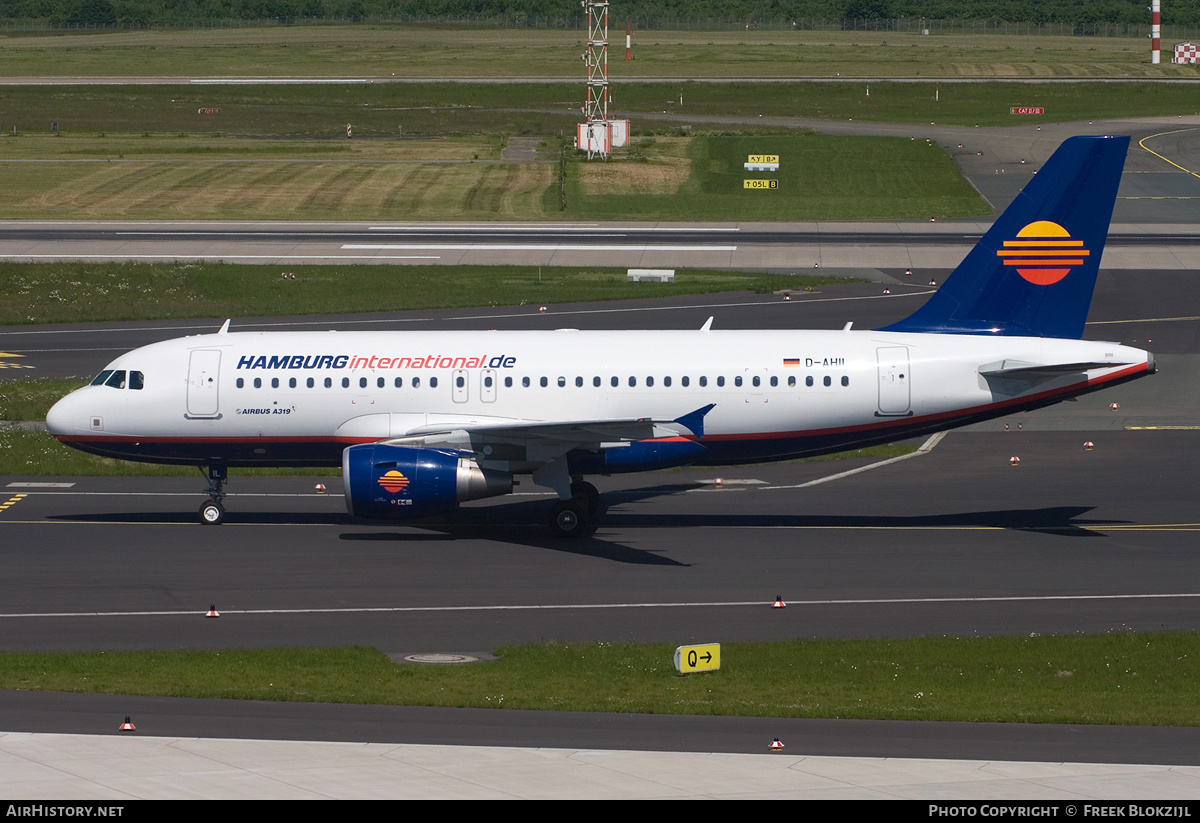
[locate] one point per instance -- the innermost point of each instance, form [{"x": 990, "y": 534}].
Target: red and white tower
[
  {"x": 599, "y": 135},
  {"x": 1155, "y": 29}
]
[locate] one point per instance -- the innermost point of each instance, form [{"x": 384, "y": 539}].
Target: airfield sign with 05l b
[
  {"x": 760, "y": 184},
  {"x": 706, "y": 658}
]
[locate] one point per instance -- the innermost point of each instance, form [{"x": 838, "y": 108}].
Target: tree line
[{"x": 139, "y": 13}]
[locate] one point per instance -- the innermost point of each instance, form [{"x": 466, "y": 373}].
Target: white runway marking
[
  {"x": 763, "y": 604},
  {"x": 926, "y": 447},
  {"x": 590, "y": 230},
  {"x": 220, "y": 256},
  {"x": 528, "y": 247}
]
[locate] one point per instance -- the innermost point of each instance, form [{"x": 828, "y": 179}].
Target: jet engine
[{"x": 401, "y": 482}]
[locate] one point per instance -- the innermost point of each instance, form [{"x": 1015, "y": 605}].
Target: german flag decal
[
  {"x": 394, "y": 481},
  {"x": 1043, "y": 252}
]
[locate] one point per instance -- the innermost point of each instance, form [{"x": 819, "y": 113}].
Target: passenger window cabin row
[{"x": 756, "y": 381}]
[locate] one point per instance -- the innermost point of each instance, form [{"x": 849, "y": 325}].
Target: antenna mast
[{"x": 597, "y": 132}]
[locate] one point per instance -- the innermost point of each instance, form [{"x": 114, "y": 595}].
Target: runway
[
  {"x": 792, "y": 248},
  {"x": 981, "y": 549}
]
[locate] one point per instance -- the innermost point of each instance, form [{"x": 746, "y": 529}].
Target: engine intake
[{"x": 401, "y": 482}]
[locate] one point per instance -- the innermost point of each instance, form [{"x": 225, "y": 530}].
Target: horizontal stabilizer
[{"x": 1019, "y": 369}]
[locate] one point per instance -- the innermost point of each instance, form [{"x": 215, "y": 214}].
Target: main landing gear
[
  {"x": 212, "y": 513},
  {"x": 571, "y": 518}
]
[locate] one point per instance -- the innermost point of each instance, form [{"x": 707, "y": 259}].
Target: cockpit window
[
  {"x": 117, "y": 380},
  {"x": 136, "y": 380},
  {"x": 101, "y": 377}
]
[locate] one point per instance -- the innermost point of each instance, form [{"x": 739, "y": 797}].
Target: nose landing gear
[{"x": 212, "y": 513}]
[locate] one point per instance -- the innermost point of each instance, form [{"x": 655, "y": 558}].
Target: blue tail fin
[{"x": 1033, "y": 273}]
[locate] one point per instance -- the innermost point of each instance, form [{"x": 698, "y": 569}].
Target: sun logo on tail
[
  {"x": 1043, "y": 252},
  {"x": 394, "y": 481}
]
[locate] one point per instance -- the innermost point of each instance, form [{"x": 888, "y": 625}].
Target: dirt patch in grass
[{"x": 659, "y": 166}]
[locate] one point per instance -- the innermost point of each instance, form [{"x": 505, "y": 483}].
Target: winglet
[
  {"x": 694, "y": 421},
  {"x": 1033, "y": 273},
  {"x": 224, "y": 328},
  {"x": 707, "y": 325}
]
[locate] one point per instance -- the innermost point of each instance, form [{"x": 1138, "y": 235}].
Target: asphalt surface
[{"x": 953, "y": 541}]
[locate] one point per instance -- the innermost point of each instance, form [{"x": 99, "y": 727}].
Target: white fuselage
[{"x": 300, "y": 398}]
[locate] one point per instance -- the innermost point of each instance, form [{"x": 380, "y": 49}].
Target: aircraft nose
[{"x": 61, "y": 417}]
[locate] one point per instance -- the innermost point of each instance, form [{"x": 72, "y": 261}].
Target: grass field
[
  {"x": 820, "y": 178},
  {"x": 230, "y": 151},
  {"x": 69, "y": 292},
  {"x": 700, "y": 178},
  {"x": 436, "y": 151},
  {"x": 1144, "y": 679},
  {"x": 386, "y": 51},
  {"x": 31, "y": 398},
  {"x": 227, "y": 178}
]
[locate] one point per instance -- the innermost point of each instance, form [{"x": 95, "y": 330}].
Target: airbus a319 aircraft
[{"x": 423, "y": 421}]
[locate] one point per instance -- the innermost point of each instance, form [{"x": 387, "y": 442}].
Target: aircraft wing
[
  {"x": 565, "y": 431},
  {"x": 526, "y": 431},
  {"x": 541, "y": 447},
  {"x": 483, "y": 429},
  {"x": 528, "y": 443}
]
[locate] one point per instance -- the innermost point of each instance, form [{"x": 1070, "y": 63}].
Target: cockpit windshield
[{"x": 116, "y": 379}]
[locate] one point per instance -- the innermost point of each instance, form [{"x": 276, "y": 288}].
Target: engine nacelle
[{"x": 399, "y": 482}]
